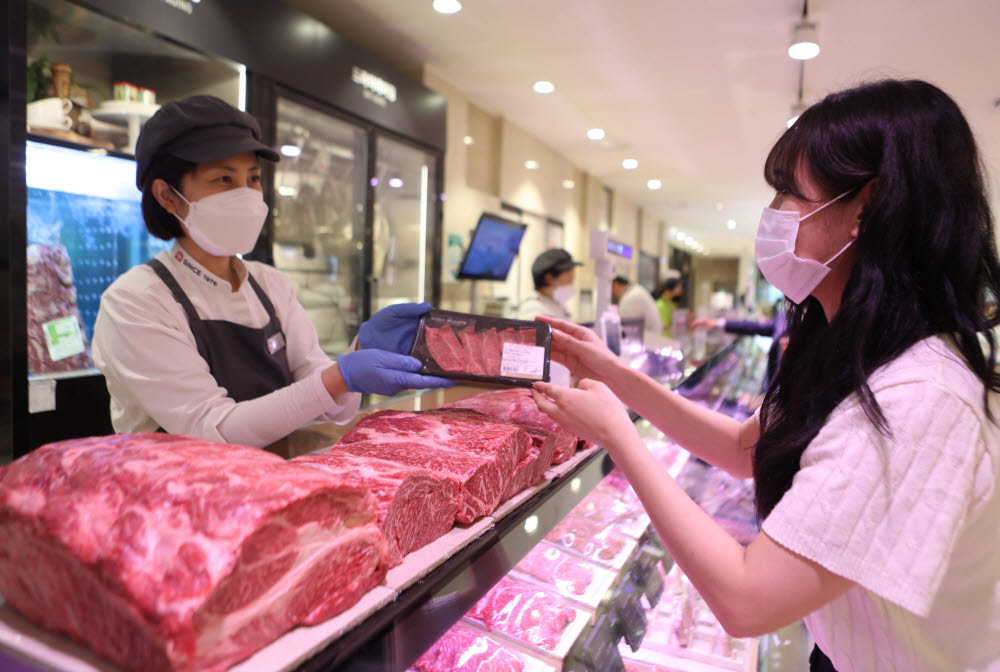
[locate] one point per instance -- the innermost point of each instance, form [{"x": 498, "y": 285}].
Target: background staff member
[
  {"x": 554, "y": 274},
  {"x": 876, "y": 455},
  {"x": 197, "y": 341},
  {"x": 634, "y": 301}
]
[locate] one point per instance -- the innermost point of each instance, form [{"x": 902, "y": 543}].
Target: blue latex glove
[
  {"x": 385, "y": 373},
  {"x": 393, "y": 328}
]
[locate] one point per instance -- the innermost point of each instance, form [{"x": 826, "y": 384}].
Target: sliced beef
[
  {"x": 464, "y": 650},
  {"x": 413, "y": 505},
  {"x": 529, "y": 613},
  {"x": 492, "y": 351},
  {"x": 165, "y": 552},
  {"x": 445, "y": 348},
  {"x": 475, "y": 359},
  {"x": 550, "y": 565},
  {"x": 51, "y": 295},
  {"x": 588, "y": 537}
]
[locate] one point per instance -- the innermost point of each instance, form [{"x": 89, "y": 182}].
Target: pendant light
[{"x": 805, "y": 43}]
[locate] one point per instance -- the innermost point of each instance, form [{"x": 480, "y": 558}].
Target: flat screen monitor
[{"x": 495, "y": 242}]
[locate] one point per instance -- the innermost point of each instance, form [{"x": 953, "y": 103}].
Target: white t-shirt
[
  {"x": 157, "y": 378},
  {"x": 913, "y": 518},
  {"x": 539, "y": 304},
  {"x": 638, "y": 302}
]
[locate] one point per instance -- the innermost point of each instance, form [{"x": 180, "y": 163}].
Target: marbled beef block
[
  {"x": 464, "y": 650},
  {"x": 165, "y": 552},
  {"x": 51, "y": 295}
]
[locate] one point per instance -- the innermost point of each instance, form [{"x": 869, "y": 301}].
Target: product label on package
[
  {"x": 63, "y": 338},
  {"x": 522, "y": 361}
]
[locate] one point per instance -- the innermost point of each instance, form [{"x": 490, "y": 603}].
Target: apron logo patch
[
  {"x": 179, "y": 256},
  {"x": 275, "y": 343}
]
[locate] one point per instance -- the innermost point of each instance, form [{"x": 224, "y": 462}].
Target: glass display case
[{"x": 319, "y": 217}]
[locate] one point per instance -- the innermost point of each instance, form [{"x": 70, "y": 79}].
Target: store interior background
[{"x": 697, "y": 92}]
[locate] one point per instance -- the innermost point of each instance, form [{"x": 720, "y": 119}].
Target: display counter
[{"x": 438, "y": 585}]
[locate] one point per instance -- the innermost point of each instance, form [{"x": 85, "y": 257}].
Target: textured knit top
[{"x": 913, "y": 518}]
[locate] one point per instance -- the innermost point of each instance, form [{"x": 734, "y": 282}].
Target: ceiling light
[
  {"x": 395, "y": 183},
  {"x": 447, "y": 6},
  {"x": 596, "y": 134},
  {"x": 468, "y": 140},
  {"x": 291, "y": 150},
  {"x": 731, "y": 224},
  {"x": 719, "y": 206},
  {"x": 679, "y": 235},
  {"x": 544, "y": 87},
  {"x": 805, "y": 44},
  {"x": 654, "y": 184},
  {"x": 568, "y": 184},
  {"x": 531, "y": 165},
  {"x": 630, "y": 164}
]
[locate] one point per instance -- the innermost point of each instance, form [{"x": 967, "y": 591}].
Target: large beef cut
[
  {"x": 464, "y": 650},
  {"x": 464, "y": 447},
  {"x": 531, "y": 469},
  {"x": 51, "y": 295},
  {"x": 516, "y": 406},
  {"x": 413, "y": 505},
  {"x": 166, "y": 552},
  {"x": 550, "y": 565},
  {"x": 529, "y": 613}
]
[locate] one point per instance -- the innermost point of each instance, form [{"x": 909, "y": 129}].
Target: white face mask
[
  {"x": 793, "y": 276},
  {"x": 563, "y": 293},
  {"x": 226, "y": 223}
]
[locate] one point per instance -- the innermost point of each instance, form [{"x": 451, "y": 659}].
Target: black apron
[{"x": 246, "y": 362}]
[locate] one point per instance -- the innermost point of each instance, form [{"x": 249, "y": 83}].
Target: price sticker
[
  {"x": 63, "y": 338},
  {"x": 522, "y": 361}
]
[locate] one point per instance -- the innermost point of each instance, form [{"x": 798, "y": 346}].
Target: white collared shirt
[
  {"x": 638, "y": 302},
  {"x": 156, "y": 377},
  {"x": 539, "y": 304}
]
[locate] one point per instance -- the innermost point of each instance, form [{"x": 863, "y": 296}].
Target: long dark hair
[{"x": 926, "y": 259}]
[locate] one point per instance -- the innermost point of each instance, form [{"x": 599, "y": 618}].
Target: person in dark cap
[
  {"x": 553, "y": 272},
  {"x": 199, "y": 341}
]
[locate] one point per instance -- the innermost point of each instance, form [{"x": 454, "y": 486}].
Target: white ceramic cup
[{"x": 50, "y": 113}]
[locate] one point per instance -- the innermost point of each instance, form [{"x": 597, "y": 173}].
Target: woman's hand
[
  {"x": 590, "y": 411},
  {"x": 581, "y": 351}
]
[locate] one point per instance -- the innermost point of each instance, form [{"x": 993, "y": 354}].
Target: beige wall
[{"x": 491, "y": 171}]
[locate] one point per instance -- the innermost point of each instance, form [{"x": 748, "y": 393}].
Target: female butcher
[
  {"x": 876, "y": 453},
  {"x": 198, "y": 341}
]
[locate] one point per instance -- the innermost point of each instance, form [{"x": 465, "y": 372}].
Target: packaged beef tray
[
  {"x": 484, "y": 349},
  {"x": 465, "y": 648}
]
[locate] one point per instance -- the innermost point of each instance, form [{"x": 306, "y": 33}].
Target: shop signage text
[{"x": 376, "y": 89}]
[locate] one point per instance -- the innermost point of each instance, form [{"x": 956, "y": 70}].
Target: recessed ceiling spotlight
[
  {"x": 395, "y": 183},
  {"x": 730, "y": 224},
  {"x": 447, "y": 6},
  {"x": 291, "y": 150},
  {"x": 630, "y": 164},
  {"x": 719, "y": 206},
  {"x": 596, "y": 134},
  {"x": 544, "y": 87},
  {"x": 568, "y": 184},
  {"x": 531, "y": 165},
  {"x": 654, "y": 184},
  {"x": 805, "y": 44},
  {"x": 679, "y": 235},
  {"x": 468, "y": 140}
]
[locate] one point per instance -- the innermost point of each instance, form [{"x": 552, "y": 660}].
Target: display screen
[{"x": 495, "y": 242}]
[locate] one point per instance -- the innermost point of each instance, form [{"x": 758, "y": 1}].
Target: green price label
[{"x": 63, "y": 338}]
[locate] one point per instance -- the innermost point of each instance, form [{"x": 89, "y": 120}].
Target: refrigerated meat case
[
  {"x": 356, "y": 203},
  {"x": 395, "y": 623}
]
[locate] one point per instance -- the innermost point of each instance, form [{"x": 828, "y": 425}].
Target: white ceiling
[{"x": 697, "y": 91}]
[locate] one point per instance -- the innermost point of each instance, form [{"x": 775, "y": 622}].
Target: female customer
[
  {"x": 876, "y": 453},
  {"x": 198, "y": 341}
]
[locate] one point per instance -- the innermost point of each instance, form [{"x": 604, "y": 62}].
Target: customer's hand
[
  {"x": 385, "y": 373},
  {"x": 580, "y": 350},
  {"x": 591, "y": 411},
  {"x": 393, "y": 328}
]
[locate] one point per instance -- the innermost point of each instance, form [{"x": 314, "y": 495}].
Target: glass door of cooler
[
  {"x": 405, "y": 183},
  {"x": 319, "y": 215}
]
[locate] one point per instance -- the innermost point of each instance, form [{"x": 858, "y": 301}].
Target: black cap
[
  {"x": 621, "y": 280},
  {"x": 199, "y": 129},
  {"x": 552, "y": 261}
]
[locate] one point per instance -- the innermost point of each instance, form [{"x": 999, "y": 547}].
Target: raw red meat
[
  {"x": 445, "y": 348},
  {"x": 529, "y": 613},
  {"x": 492, "y": 351},
  {"x": 413, "y": 506},
  {"x": 531, "y": 469},
  {"x": 467, "y": 448},
  {"x": 519, "y": 336},
  {"x": 464, "y": 650},
  {"x": 587, "y": 537},
  {"x": 550, "y": 565},
  {"x": 475, "y": 360},
  {"x": 166, "y": 552},
  {"x": 517, "y": 407},
  {"x": 51, "y": 295}
]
